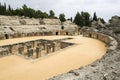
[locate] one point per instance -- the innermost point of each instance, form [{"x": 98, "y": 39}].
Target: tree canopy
[
  {"x": 25, "y": 11},
  {"x": 52, "y": 14},
  {"x": 62, "y": 17},
  {"x": 85, "y": 19},
  {"x": 95, "y": 17},
  {"x": 78, "y": 19},
  {"x": 81, "y": 19}
]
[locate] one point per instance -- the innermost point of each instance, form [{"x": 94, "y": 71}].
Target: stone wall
[
  {"x": 9, "y": 20},
  {"x": 3, "y": 52},
  {"x": 102, "y": 37},
  {"x": 51, "y": 21},
  {"x": 15, "y": 20},
  {"x": 14, "y": 27},
  {"x": 33, "y": 49},
  {"x": 28, "y": 21},
  {"x": 106, "y": 68}
]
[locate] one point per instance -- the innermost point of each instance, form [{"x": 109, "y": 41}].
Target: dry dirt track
[{"x": 85, "y": 51}]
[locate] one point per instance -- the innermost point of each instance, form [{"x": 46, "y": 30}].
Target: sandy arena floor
[{"x": 85, "y": 51}]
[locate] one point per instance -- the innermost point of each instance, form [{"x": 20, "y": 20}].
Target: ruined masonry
[{"x": 17, "y": 27}]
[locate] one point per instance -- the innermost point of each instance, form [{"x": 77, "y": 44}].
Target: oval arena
[{"x": 48, "y": 49}]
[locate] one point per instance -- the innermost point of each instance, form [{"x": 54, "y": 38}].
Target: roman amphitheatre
[{"x": 42, "y": 49}]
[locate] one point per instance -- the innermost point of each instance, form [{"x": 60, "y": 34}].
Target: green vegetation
[
  {"x": 81, "y": 19},
  {"x": 52, "y": 14},
  {"x": 25, "y": 11},
  {"x": 95, "y": 17},
  {"x": 85, "y": 19},
  {"x": 62, "y": 17}
]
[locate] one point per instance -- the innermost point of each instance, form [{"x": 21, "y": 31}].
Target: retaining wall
[
  {"x": 33, "y": 49},
  {"x": 102, "y": 37},
  {"x": 106, "y": 68}
]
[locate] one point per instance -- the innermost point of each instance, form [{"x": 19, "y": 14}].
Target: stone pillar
[
  {"x": 35, "y": 43},
  {"x": 10, "y": 48},
  {"x": 36, "y": 34},
  {"x": 48, "y": 48},
  {"x": 39, "y": 43},
  {"x": 30, "y": 52},
  {"x": 4, "y": 52},
  {"x": 32, "y": 44},
  {"x": 58, "y": 45},
  {"x": 0, "y": 53},
  {"x": 14, "y": 48},
  {"x": 38, "y": 52},
  {"x": 44, "y": 48},
  {"x": 28, "y": 46},
  {"x": 25, "y": 48},
  {"x": 21, "y": 49},
  {"x": 45, "y": 45},
  {"x": 54, "y": 43}
]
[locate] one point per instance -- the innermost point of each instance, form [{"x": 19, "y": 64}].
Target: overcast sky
[{"x": 103, "y": 8}]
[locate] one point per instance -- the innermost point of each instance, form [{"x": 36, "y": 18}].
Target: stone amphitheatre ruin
[
  {"x": 16, "y": 27},
  {"x": 21, "y": 37}
]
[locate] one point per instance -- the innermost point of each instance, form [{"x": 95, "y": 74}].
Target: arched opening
[
  {"x": 66, "y": 33},
  {"x": 62, "y": 27},
  {"x": 6, "y": 36},
  {"x": 90, "y": 35},
  {"x": 56, "y": 33}
]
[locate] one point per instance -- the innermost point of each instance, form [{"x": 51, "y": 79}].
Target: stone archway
[
  {"x": 62, "y": 27},
  {"x": 66, "y": 33},
  {"x": 6, "y": 36},
  {"x": 56, "y": 33}
]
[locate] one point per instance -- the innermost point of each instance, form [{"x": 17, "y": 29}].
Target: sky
[{"x": 104, "y": 8}]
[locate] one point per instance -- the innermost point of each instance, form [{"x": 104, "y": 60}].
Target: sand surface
[{"x": 85, "y": 51}]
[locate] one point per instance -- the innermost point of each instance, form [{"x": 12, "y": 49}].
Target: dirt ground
[{"x": 85, "y": 51}]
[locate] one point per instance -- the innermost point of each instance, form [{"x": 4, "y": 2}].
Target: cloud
[{"x": 104, "y": 8}]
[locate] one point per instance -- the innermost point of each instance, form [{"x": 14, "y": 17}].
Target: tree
[
  {"x": 38, "y": 14},
  {"x": 19, "y": 12},
  {"x": 87, "y": 19},
  {"x": 82, "y": 19},
  {"x": 78, "y": 19},
  {"x": 44, "y": 15},
  {"x": 51, "y": 14},
  {"x": 95, "y": 17},
  {"x": 9, "y": 8},
  {"x": 3, "y": 9},
  {"x": 0, "y": 8},
  {"x": 62, "y": 17},
  {"x": 24, "y": 7},
  {"x": 71, "y": 19},
  {"x": 25, "y": 10}
]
